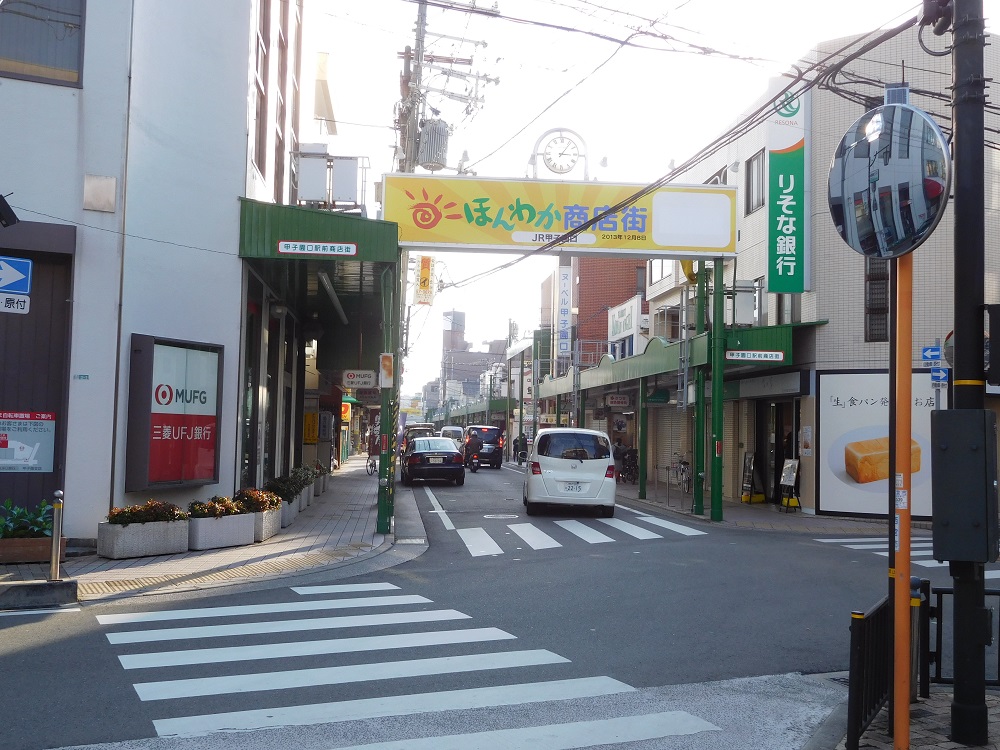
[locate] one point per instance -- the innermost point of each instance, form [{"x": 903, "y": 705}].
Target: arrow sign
[
  {"x": 930, "y": 352},
  {"x": 939, "y": 374},
  {"x": 15, "y": 275}
]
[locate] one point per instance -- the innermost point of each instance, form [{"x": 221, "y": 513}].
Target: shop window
[{"x": 42, "y": 41}]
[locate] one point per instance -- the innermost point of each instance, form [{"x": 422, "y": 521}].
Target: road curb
[{"x": 34, "y": 594}]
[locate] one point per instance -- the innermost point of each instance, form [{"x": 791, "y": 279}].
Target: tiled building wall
[
  {"x": 604, "y": 283},
  {"x": 837, "y": 278}
]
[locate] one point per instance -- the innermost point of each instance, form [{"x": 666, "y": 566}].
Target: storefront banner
[
  {"x": 788, "y": 251},
  {"x": 852, "y": 452},
  {"x": 183, "y": 424},
  {"x": 27, "y": 441},
  {"x": 508, "y": 215},
  {"x": 564, "y": 313},
  {"x": 423, "y": 291}
]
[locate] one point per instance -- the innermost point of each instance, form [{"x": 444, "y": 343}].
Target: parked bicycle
[
  {"x": 630, "y": 466},
  {"x": 372, "y": 466},
  {"x": 681, "y": 472}
]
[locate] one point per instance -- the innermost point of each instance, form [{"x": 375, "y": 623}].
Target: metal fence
[
  {"x": 936, "y": 613},
  {"x": 871, "y": 655}
]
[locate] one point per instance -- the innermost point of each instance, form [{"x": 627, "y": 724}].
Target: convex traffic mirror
[{"x": 889, "y": 181}]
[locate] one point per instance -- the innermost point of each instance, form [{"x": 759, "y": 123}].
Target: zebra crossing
[
  {"x": 540, "y": 534},
  {"x": 921, "y": 550},
  {"x": 264, "y": 665}
]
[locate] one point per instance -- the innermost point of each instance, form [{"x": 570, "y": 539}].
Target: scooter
[{"x": 474, "y": 464}]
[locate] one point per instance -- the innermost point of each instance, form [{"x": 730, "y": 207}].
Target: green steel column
[
  {"x": 698, "y": 459},
  {"x": 643, "y": 433},
  {"x": 558, "y": 411},
  {"x": 390, "y": 403},
  {"x": 520, "y": 393},
  {"x": 718, "y": 363}
]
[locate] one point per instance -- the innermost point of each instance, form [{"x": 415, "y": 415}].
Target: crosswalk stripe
[
  {"x": 479, "y": 542},
  {"x": 921, "y": 563},
  {"x": 630, "y": 528},
  {"x": 392, "y": 705},
  {"x": 570, "y": 736},
  {"x": 913, "y": 553},
  {"x": 533, "y": 536},
  {"x": 587, "y": 534},
  {"x": 344, "y": 588},
  {"x": 685, "y": 530},
  {"x": 299, "y": 678},
  {"x": 885, "y": 545},
  {"x": 282, "y": 626},
  {"x": 872, "y": 540},
  {"x": 858, "y": 539},
  {"x": 259, "y": 609},
  {"x": 311, "y": 648}
]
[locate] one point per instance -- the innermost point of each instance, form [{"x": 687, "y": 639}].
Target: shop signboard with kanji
[
  {"x": 174, "y": 403},
  {"x": 27, "y": 441},
  {"x": 673, "y": 220}
]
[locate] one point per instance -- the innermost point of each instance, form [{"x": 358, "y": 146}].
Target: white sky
[{"x": 641, "y": 110}]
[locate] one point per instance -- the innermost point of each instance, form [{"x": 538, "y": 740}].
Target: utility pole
[
  {"x": 969, "y": 718},
  {"x": 409, "y": 111}
]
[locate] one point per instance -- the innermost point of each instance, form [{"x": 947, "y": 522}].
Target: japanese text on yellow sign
[{"x": 501, "y": 215}]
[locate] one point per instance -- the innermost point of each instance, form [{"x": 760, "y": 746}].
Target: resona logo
[
  {"x": 788, "y": 105},
  {"x": 166, "y": 395}
]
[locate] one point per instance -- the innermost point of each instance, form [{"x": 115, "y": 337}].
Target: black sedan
[{"x": 432, "y": 458}]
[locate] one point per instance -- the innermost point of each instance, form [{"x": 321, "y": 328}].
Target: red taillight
[
  {"x": 457, "y": 458},
  {"x": 536, "y": 468},
  {"x": 501, "y": 441},
  {"x": 610, "y": 473},
  {"x": 413, "y": 459}
]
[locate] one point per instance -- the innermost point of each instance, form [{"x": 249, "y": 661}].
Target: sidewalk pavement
[{"x": 338, "y": 529}]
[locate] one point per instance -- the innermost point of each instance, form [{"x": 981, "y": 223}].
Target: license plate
[
  {"x": 435, "y": 460},
  {"x": 572, "y": 487}
]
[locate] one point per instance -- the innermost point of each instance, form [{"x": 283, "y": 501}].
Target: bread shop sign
[{"x": 175, "y": 396}]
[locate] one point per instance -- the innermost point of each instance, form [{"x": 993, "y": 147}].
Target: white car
[{"x": 570, "y": 466}]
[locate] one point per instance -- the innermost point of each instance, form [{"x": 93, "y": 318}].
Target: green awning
[
  {"x": 347, "y": 398},
  {"x": 659, "y": 396}
]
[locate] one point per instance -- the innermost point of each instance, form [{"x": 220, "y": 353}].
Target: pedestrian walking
[{"x": 618, "y": 453}]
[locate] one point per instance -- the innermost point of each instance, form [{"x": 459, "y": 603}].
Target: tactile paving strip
[{"x": 292, "y": 563}]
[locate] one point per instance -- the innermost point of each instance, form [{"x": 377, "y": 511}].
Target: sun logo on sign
[{"x": 427, "y": 214}]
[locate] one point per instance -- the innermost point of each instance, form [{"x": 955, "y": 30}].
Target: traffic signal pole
[{"x": 969, "y": 717}]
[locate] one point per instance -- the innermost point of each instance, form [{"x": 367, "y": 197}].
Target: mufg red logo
[{"x": 166, "y": 395}]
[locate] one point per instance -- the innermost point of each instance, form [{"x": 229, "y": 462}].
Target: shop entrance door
[{"x": 779, "y": 422}]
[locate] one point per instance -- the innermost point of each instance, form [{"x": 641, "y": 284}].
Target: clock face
[{"x": 560, "y": 154}]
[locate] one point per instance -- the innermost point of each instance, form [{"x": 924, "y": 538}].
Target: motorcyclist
[{"x": 473, "y": 446}]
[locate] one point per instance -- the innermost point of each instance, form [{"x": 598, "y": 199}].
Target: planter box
[
  {"x": 228, "y": 531},
  {"x": 29, "y": 550},
  {"x": 288, "y": 513},
  {"x": 317, "y": 487},
  {"x": 303, "y": 499},
  {"x": 118, "y": 542},
  {"x": 266, "y": 524}
]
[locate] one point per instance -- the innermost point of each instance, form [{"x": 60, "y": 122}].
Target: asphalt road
[{"x": 560, "y": 630}]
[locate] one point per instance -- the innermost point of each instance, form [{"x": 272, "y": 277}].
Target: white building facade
[{"x": 134, "y": 140}]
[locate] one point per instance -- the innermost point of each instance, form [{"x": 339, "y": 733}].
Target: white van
[
  {"x": 452, "y": 431},
  {"x": 570, "y": 466}
]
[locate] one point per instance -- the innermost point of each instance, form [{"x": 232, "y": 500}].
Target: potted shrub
[
  {"x": 305, "y": 478},
  {"x": 266, "y": 509},
  {"x": 26, "y": 534},
  {"x": 283, "y": 488},
  {"x": 153, "y": 528},
  {"x": 219, "y": 522}
]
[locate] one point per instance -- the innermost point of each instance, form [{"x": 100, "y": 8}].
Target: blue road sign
[
  {"x": 939, "y": 374},
  {"x": 15, "y": 275},
  {"x": 930, "y": 352}
]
